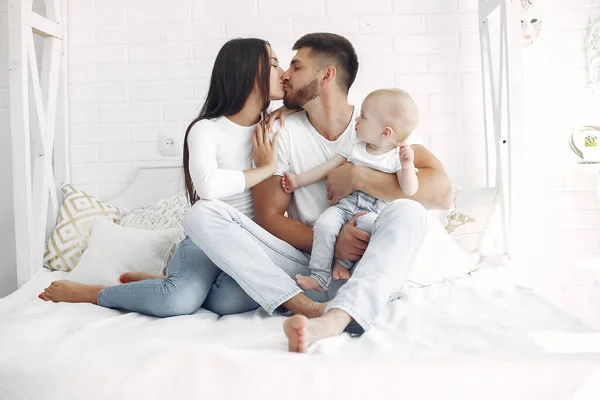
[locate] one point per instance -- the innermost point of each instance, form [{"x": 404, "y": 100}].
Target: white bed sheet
[{"x": 472, "y": 338}]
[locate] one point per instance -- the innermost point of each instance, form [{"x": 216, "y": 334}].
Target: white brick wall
[{"x": 141, "y": 67}]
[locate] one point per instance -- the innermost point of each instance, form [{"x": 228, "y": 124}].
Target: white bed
[{"x": 481, "y": 336}]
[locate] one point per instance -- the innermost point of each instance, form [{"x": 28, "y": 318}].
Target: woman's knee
[
  {"x": 177, "y": 300},
  {"x": 227, "y": 297}
]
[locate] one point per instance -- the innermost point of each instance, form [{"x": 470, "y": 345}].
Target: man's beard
[{"x": 305, "y": 94}]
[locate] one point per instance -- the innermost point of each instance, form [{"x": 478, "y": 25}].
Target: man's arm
[
  {"x": 270, "y": 203},
  {"x": 435, "y": 188}
]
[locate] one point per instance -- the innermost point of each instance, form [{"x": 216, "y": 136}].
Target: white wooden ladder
[{"x": 39, "y": 125}]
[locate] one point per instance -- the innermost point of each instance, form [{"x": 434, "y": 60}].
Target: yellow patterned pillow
[{"x": 72, "y": 231}]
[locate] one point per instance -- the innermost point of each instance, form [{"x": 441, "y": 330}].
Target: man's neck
[{"x": 329, "y": 115}]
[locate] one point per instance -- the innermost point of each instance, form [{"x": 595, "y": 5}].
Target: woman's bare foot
[
  {"x": 71, "y": 292},
  {"x": 340, "y": 272},
  {"x": 138, "y": 276},
  {"x": 302, "y": 332},
  {"x": 308, "y": 283}
]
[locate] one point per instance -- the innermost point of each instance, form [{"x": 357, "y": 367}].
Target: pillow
[
  {"x": 113, "y": 250},
  {"x": 70, "y": 236},
  {"x": 470, "y": 221},
  {"x": 439, "y": 258},
  {"x": 167, "y": 213}
]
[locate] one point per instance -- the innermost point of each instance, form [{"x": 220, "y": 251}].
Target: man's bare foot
[
  {"x": 301, "y": 304},
  {"x": 302, "y": 332},
  {"x": 71, "y": 292},
  {"x": 340, "y": 272},
  {"x": 308, "y": 283},
  {"x": 296, "y": 330},
  {"x": 138, "y": 276}
]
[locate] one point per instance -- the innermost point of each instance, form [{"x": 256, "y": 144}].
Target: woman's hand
[
  {"x": 265, "y": 150},
  {"x": 278, "y": 114}
]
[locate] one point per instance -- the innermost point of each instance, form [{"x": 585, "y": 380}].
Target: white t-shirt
[
  {"x": 301, "y": 148},
  {"x": 357, "y": 154},
  {"x": 220, "y": 151}
]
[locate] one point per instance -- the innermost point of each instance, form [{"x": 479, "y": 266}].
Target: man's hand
[
  {"x": 339, "y": 183},
  {"x": 351, "y": 242}
]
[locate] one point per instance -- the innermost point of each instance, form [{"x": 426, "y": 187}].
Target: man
[{"x": 320, "y": 75}]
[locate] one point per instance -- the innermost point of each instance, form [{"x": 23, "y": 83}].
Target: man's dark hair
[{"x": 335, "y": 50}]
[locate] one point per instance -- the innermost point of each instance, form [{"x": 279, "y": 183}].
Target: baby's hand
[
  {"x": 289, "y": 182},
  {"x": 407, "y": 156}
]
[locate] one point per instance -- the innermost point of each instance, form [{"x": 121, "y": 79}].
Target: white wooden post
[
  {"x": 33, "y": 162},
  {"x": 502, "y": 78}
]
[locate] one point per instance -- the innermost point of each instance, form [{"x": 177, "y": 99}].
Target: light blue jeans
[
  {"x": 234, "y": 265},
  {"x": 327, "y": 229},
  {"x": 193, "y": 282}
]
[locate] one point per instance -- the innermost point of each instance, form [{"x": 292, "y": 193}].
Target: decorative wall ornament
[
  {"x": 531, "y": 21},
  {"x": 593, "y": 53}
]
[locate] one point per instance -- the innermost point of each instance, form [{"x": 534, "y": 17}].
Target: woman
[{"x": 218, "y": 150}]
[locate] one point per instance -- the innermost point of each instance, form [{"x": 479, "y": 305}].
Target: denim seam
[
  {"x": 320, "y": 281},
  {"x": 274, "y": 305},
  {"x": 305, "y": 263},
  {"x": 345, "y": 263}
]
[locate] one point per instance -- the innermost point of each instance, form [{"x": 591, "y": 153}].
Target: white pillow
[
  {"x": 440, "y": 258},
  {"x": 167, "y": 213},
  {"x": 113, "y": 250},
  {"x": 470, "y": 223}
]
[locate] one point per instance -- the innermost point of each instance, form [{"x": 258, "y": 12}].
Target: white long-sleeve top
[{"x": 220, "y": 151}]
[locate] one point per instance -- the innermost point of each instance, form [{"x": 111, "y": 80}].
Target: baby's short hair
[{"x": 401, "y": 114}]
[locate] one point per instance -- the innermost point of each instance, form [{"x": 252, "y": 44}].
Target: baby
[{"x": 387, "y": 118}]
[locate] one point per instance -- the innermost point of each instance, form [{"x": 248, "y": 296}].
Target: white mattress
[{"x": 478, "y": 337}]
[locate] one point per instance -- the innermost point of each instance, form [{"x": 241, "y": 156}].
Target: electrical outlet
[{"x": 168, "y": 145}]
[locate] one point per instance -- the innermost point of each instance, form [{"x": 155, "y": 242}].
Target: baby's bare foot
[
  {"x": 340, "y": 272},
  {"x": 71, "y": 292},
  {"x": 138, "y": 276},
  {"x": 308, "y": 283}
]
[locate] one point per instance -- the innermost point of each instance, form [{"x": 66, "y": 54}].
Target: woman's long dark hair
[{"x": 240, "y": 64}]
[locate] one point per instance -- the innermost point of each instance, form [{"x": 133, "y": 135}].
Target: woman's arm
[{"x": 212, "y": 182}]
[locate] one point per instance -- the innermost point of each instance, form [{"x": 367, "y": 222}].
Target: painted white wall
[{"x": 8, "y": 273}]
